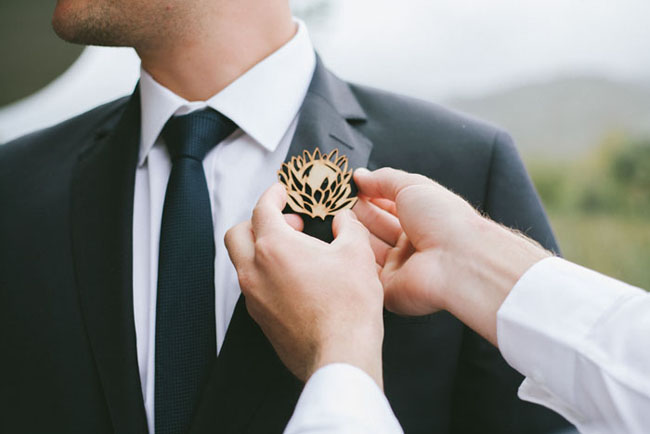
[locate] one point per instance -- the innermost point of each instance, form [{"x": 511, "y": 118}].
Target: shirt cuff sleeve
[
  {"x": 341, "y": 398},
  {"x": 544, "y": 322}
]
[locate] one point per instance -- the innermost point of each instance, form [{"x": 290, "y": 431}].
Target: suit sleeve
[{"x": 485, "y": 390}]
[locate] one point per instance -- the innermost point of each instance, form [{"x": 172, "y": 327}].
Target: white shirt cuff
[
  {"x": 544, "y": 327},
  {"x": 341, "y": 398}
]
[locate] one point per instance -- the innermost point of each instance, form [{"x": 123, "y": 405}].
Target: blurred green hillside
[{"x": 600, "y": 207}]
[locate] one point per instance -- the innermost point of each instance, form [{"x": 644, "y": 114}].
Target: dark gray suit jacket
[{"x": 67, "y": 334}]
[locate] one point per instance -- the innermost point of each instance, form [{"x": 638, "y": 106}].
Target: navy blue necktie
[{"x": 185, "y": 319}]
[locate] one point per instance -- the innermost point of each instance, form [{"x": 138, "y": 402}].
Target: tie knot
[{"x": 194, "y": 134}]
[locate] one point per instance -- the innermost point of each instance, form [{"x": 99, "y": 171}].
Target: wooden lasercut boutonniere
[{"x": 318, "y": 185}]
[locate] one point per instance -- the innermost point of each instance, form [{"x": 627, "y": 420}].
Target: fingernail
[{"x": 362, "y": 171}]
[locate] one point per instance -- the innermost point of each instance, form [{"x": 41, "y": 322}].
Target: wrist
[
  {"x": 359, "y": 349},
  {"x": 507, "y": 254},
  {"x": 493, "y": 261}
]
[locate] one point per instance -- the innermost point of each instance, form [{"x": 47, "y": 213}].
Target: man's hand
[
  {"x": 436, "y": 252},
  {"x": 415, "y": 224},
  {"x": 317, "y": 303}
]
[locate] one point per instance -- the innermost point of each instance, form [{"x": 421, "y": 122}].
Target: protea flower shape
[{"x": 318, "y": 185}]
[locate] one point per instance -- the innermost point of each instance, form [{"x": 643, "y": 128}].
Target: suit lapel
[
  {"x": 250, "y": 389},
  {"x": 102, "y": 215},
  {"x": 328, "y": 118}
]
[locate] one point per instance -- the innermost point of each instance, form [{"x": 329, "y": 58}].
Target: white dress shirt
[
  {"x": 581, "y": 339},
  {"x": 265, "y": 104}
]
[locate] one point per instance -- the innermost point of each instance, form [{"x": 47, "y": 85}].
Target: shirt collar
[{"x": 263, "y": 102}]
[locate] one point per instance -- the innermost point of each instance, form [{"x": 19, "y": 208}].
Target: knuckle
[
  {"x": 231, "y": 236},
  {"x": 228, "y": 237},
  {"x": 265, "y": 249},
  {"x": 385, "y": 170},
  {"x": 251, "y": 307},
  {"x": 258, "y": 213},
  {"x": 246, "y": 280},
  {"x": 421, "y": 178}
]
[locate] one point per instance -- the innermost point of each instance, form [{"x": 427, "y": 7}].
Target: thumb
[
  {"x": 386, "y": 183},
  {"x": 348, "y": 229},
  {"x": 267, "y": 214}
]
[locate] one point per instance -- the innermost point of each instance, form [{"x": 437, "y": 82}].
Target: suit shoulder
[
  {"x": 390, "y": 111},
  {"x": 455, "y": 149},
  {"x": 64, "y": 138}
]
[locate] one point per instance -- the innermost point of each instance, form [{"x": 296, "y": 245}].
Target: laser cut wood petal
[{"x": 317, "y": 184}]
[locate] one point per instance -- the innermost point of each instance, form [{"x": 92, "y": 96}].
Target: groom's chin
[
  {"x": 91, "y": 22},
  {"x": 67, "y": 20}
]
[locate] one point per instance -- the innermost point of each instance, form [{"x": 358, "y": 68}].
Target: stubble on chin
[{"x": 94, "y": 23}]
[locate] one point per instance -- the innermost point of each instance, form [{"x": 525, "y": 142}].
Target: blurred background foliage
[
  {"x": 599, "y": 206},
  {"x": 585, "y": 137}
]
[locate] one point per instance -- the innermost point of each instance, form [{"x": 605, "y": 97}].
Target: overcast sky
[
  {"x": 451, "y": 47},
  {"x": 428, "y": 48}
]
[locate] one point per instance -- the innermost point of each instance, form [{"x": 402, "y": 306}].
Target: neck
[{"x": 218, "y": 47}]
